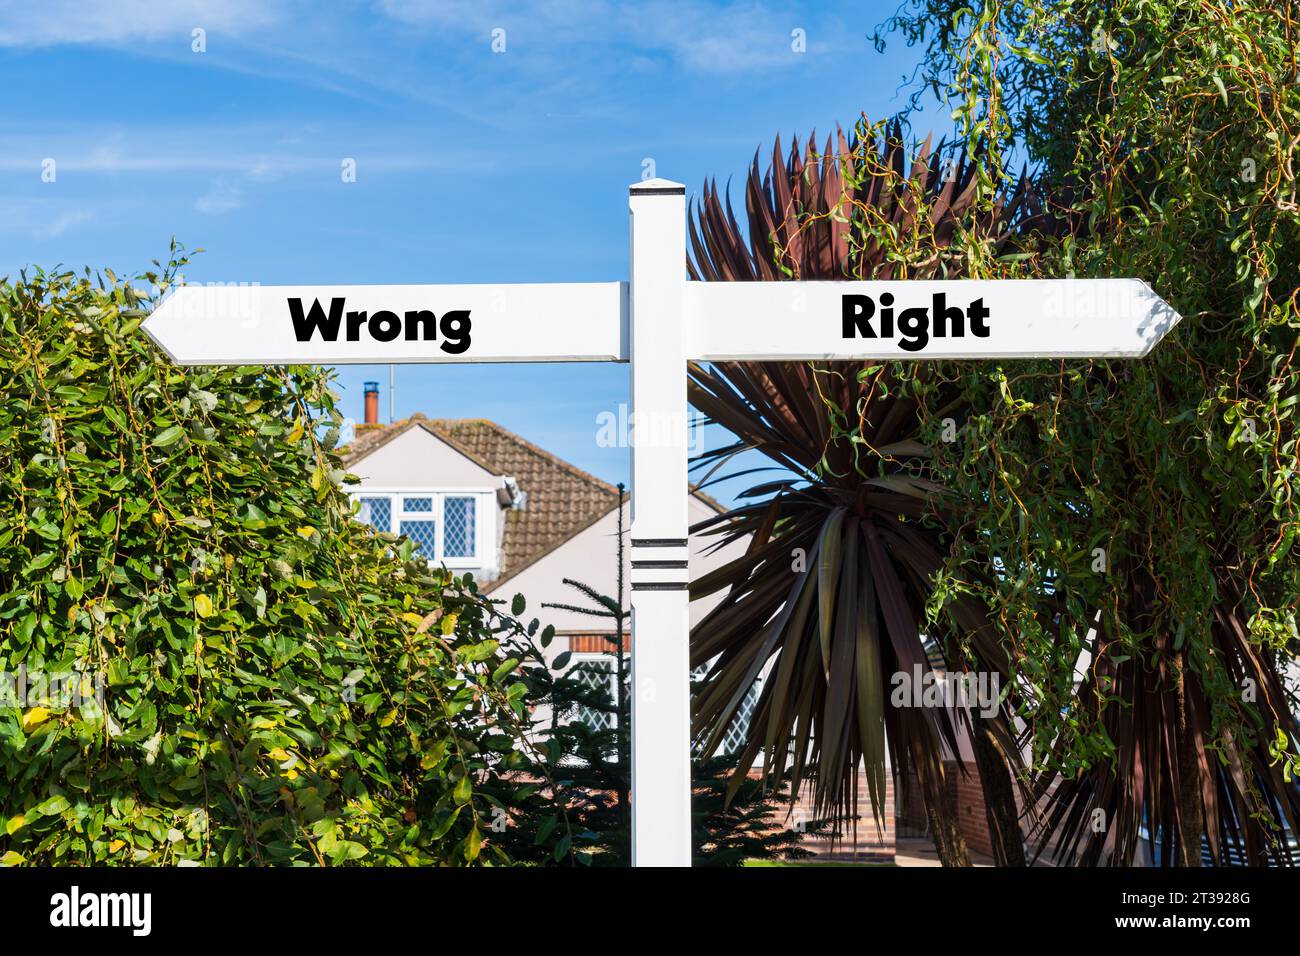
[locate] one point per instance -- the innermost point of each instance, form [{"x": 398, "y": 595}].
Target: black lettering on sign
[
  {"x": 916, "y": 325},
  {"x": 382, "y": 326},
  {"x": 857, "y": 311},
  {"x": 304, "y": 326}
]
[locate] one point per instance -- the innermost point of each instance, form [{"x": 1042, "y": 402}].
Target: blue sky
[{"x": 472, "y": 165}]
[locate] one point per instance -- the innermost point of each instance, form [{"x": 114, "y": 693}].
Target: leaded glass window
[
  {"x": 424, "y": 535},
  {"x": 377, "y": 512},
  {"x": 599, "y": 674},
  {"x": 458, "y": 527},
  {"x": 443, "y": 526}
]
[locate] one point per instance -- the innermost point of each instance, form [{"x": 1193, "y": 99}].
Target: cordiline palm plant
[
  {"x": 833, "y": 587},
  {"x": 1244, "y": 804}
]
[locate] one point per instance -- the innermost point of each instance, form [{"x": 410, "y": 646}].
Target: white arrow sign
[
  {"x": 658, "y": 321},
  {"x": 389, "y": 324},
  {"x": 952, "y": 319}
]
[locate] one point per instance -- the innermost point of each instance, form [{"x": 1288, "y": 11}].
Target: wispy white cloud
[
  {"x": 723, "y": 37},
  {"x": 255, "y": 152},
  {"x": 61, "y": 222},
  {"x": 222, "y": 198},
  {"x": 43, "y": 219},
  {"x": 52, "y": 22}
]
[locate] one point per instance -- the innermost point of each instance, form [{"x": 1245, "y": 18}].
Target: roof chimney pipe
[{"x": 372, "y": 403}]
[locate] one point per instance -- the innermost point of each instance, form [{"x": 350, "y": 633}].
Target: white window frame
[
  {"x": 602, "y": 657},
  {"x": 484, "y": 515}
]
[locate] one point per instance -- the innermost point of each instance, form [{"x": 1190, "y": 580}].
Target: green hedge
[{"x": 281, "y": 685}]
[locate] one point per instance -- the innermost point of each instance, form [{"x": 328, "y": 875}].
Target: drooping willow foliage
[{"x": 1141, "y": 516}]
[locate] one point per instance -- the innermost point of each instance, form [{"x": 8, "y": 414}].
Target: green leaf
[
  {"x": 1223, "y": 90},
  {"x": 168, "y": 436},
  {"x": 52, "y": 807},
  {"x": 43, "y": 561},
  {"x": 562, "y": 848},
  {"x": 544, "y": 831},
  {"x": 506, "y": 668}
]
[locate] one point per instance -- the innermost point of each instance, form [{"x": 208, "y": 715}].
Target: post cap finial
[{"x": 657, "y": 187}]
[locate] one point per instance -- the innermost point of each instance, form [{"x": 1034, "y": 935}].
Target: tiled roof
[{"x": 562, "y": 499}]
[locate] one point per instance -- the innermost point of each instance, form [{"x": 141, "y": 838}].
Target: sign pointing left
[{"x": 388, "y": 324}]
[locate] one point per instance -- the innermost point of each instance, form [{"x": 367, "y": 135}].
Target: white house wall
[
  {"x": 418, "y": 458},
  {"x": 589, "y": 557}
]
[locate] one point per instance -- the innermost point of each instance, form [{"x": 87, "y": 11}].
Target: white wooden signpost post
[{"x": 658, "y": 321}]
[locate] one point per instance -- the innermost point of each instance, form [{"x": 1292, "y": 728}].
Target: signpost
[{"x": 658, "y": 321}]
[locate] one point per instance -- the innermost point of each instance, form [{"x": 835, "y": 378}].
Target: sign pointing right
[{"x": 914, "y": 319}]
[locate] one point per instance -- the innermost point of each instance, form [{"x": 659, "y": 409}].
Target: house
[{"x": 479, "y": 498}]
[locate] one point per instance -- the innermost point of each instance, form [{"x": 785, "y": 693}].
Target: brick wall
[
  {"x": 972, "y": 816},
  {"x": 859, "y": 841},
  {"x": 968, "y": 796},
  {"x": 596, "y": 643}
]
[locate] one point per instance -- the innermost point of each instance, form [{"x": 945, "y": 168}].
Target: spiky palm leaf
[
  {"x": 839, "y": 624},
  {"x": 1156, "y": 712}
]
